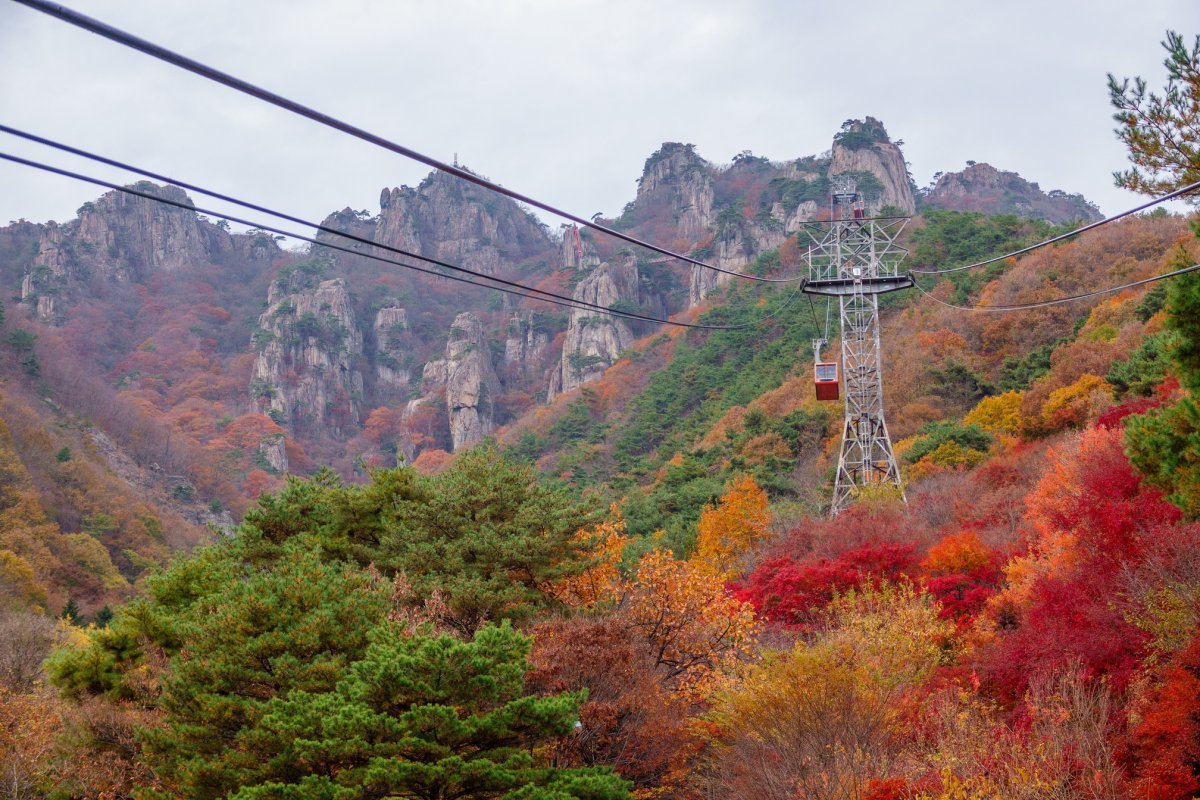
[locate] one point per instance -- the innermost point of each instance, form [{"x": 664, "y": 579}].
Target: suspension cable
[
  {"x": 203, "y": 70},
  {"x": 298, "y": 220},
  {"x": 1072, "y": 298},
  {"x": 1177, "y": 193},
  {"x": 519, "y": 290},
  {"x": 574, "y": 302}
]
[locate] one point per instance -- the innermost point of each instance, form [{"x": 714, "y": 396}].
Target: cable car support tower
[{"x": 856, "y": 260}]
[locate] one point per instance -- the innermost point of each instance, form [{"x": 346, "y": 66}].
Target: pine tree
[
  {"x": 71, "y": 611},
  {"x": 103, "y": 617},
  {"x": 1161, "y": 130},
  {"x": 1162, "y": 443},
  {"x": 423, "y": 717},
  {"x": 1162, "y": 133},
  {"x": 489, "y": 536},
  {"x": 263, "y": 635}
]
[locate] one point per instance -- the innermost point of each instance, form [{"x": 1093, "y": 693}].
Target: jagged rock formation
[
  {"x": 432, "y": 400},
  {"x": 983, "y": 188},
  {"x": 794, "y": 192},
  {"x": 391, "y": 337},
  {"x": 274, "y": 451},
  {"x": 526, "y": 341},
  {"x": 471, "y": 384},
  {"x": 468, "y": 380},
  {"x": 739, "y": 238},
  {"x": 678, "y": 179},
  {"x": 594, "y": 341},
  {"x": 576, "y": 250},
  {"x": 455, "y": 221},
  {"x": 308, "y": 343},
  {"x": 733, "y": 248},
  {"x": 864, "y": 150},
  {"x": 128, "y": 238},
  {"x": 355, "y": 223},
  {"x": 328, "y": 350}
]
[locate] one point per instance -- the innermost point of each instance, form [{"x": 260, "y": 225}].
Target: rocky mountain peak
[
  {"x": 125, "y": 237},
  {"x": 456, "y": 221},
  {"x": 677, "y": 178},
  {"x": 669, "y": 164},
  {"x": 983, "y": 188},
  {"x": 863, "y": 149}
]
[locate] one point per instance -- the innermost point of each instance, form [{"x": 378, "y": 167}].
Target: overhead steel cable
[
  {"x": 1191, "y": 187},
  {"x": 517, "y": 289},
  {"x": 203, "y": 70},
  {"x": 298, "y": 220},
  {"x": 1057, "y": 301}
]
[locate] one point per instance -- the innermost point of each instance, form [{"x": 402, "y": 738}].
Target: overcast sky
[{"x": 564, "y": 100}]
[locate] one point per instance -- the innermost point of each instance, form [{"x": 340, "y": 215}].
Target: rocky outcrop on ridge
[
  {"x": 985, "y": 189},
  {"x": 308, "y": 343},
  {"x": 863, "y": 149},
  {"x": 452, "y": 220},
  {"x": 594, "y": 340},
  {"x": 391, "y": 345},
  {"x": 526, "y": 340},
  {"x": 676, "y": 178},
  {"x": 468, "y": 381},
  {"x": 128, "y": 238}
]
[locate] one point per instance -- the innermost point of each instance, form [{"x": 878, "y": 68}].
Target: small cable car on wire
[{"x": 825, "y": 374}]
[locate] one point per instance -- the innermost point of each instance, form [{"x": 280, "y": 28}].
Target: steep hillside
[
  {"x": 667, "y": 426},
  {"x": 219, "y": 357},
  {"x": 80, "y": 520}
]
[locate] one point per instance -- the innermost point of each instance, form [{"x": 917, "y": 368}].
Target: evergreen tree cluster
[{"x": 355, "y": 642}]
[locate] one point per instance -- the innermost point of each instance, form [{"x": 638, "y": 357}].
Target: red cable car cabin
[{"x": 826, "y": 375}]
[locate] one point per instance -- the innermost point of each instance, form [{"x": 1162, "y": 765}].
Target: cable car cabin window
[{"x": 826, "y": 372}]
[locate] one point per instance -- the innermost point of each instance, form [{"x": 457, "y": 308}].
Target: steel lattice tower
[{"x": 856, "y": 260}]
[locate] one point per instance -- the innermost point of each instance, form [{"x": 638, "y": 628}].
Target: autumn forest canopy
[{"x": 281, "y": 525}]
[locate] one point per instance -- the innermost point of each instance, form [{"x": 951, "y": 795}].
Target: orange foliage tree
[
  {"x": 688, "y": 620},
  {"x": 601, "y": 581},
  {"x": 29, "y": 727},
  {"x": 732, "y": 528}
]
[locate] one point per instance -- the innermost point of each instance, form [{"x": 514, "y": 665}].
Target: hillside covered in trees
[{"x": 283, "y": 524}]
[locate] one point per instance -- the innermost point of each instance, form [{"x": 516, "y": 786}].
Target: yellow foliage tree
[
  {"x": 998, "y": 414},
  {"x": 946, "y": 457},
  {"x": 822, "y": 719},
  {"x": 1074, "y": 405},
  {"x": 91, "y": 555},
  {"x": 731, "y": 528},
  {"x": 19, "y": 589}
]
